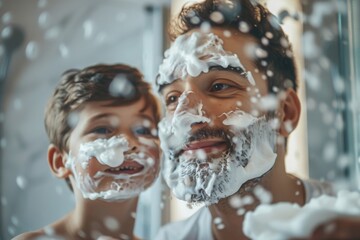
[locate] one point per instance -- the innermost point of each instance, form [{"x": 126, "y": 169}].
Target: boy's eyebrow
[
  {"x": 146, "y": 116},
  {"x": 98, "y": 116}
]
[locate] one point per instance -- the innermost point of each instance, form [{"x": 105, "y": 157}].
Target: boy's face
[
  {"x": 217, "y": 133},
  {"x": 113, "y": 150}
]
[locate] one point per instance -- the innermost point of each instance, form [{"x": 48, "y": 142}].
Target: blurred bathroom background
[{"x": 39, "y": 39}]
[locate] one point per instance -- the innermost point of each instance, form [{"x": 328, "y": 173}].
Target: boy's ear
[
  {"x": 56, "y": 160},
  {"x": 289, "y": 112}
]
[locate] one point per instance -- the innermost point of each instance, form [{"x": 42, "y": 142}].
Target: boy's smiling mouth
[{"x": 127, "y": 167}]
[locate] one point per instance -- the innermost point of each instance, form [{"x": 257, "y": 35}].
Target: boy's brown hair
[
  {"x": 93, "y": 83},
  {"x": 261, "y": 24}
]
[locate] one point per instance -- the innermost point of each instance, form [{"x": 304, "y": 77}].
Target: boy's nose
[{"x": 189, "y": 102}]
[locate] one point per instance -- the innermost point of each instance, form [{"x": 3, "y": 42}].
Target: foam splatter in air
[
  {"x": 287, "y": 220},
  {"x": 122, "y": 176},
  {"x": 195, "y": 53},
  {"x": 195, "y": 176}
]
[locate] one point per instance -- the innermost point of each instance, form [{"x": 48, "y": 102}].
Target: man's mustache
[{"x": 203, "y": 134}]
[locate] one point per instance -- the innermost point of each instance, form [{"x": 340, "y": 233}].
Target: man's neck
[{"x": 281, "y": 187}]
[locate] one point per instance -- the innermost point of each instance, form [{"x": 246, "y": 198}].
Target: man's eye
[
  {"x": 171, "y": 99},
  {"x": 218, "y": 87},
  {"x": 102, "y": 130}
]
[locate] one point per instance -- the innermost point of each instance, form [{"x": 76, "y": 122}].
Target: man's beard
[{"x": 200, "y": 178}]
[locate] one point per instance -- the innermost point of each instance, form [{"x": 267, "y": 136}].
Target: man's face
[
  {"x": 113, "y": 150},
  {"x": 216, "y": 134}
]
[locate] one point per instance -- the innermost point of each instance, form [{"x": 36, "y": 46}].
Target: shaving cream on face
[
  {"x": 287, "y": 220},
  {"x": 208, "y": 180},
  {"x": 192, "y": 54},
  {"x": 107, "y": 185}
]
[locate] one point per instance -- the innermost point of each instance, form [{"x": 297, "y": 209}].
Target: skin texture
[
  {"x": 221, "y": 91},
  {"x": 100, "y": 120}
]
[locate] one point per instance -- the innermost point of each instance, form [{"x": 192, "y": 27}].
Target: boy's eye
[
  {"x": 218, "y": 87},
  {"x": 143, "y": 131},
  {"x": 102, "y": 130}
]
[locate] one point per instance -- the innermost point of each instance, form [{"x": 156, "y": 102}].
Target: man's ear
[
  {"x": 56, "y": 160},
  {"x": 289, "y": 112}
]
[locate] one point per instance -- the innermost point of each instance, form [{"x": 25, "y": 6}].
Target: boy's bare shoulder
[{"x": 30, "y": 235}]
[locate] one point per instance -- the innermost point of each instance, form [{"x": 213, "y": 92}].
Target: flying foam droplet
[
  {"x": 121, "y": 87},
  {"x": 21, "y": 182},
  {"x": 111, "y": 224}
]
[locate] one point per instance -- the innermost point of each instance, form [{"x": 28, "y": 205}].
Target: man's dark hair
[{"x": 278, "y": 60}]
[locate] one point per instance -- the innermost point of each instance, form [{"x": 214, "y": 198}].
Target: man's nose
[{"x": 189, "y": 102}]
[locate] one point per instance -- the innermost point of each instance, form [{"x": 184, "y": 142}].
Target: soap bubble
[
  {"x": 311, "y": 103},
  {"x": 265, "y": 41},
  {"x": 21, "y": 182},
  {"x": 235, "y": 201},
  {"x": 14, "y": 220},
  {"x": 247, "y": 200},
  {"x": 124, "y": 237},
  {"x": 227, "y": 33},
  {"x": 217, "y": 220},
  {"x": 49, "y": 231},
  {"x": 310, "y": 48},
  {"x": 329, "y": 151},
  {"x": 64, "y": 51},
  {"x": 262, "y": 194},
  {"x": 195, "y": 20},
  {"x": 52, "y": 33},
  {"x": 6, "y": 32},
  {"x": 42, "y": 3},
  {"x": 217, "y": 17},
  {"x": 6, "y": 17},
  {"x": 269, "y": 102},
  {"x": 43, "y": 19},
  {"x": 200, "y": 154},
  {"x": 244, "y": 27},
  {"x": 343, "y": 161},
  {"x": 269, "y": 73},
  {"x": 241, "y": 211},
  {"x": 111, "y": 223},
  {"x": 32, "y": 50},
  {"x": 11, "y": 230},
  {"x": 133, "y": 215},
  {"x": 288, "y": 126},
  {"x": 121, "y": 87},
  {"x": 260, "y": 53},
  {"x": 205, "y": 27},
  {"x": 220, "y": 226},
  {"x": 73, "y": 119},
  {"x": 88, "y": 27}
]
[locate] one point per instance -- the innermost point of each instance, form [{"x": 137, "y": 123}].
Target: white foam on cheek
[
  {"x": 106, "y": 185},
  {"x": 107, "y": 151},
  {"x": 222, "y": 177},
  {"x": 239, "y": 119},
  {"x": 193, "y": 54},
  {"x": 174, "y": 131},
  {"x": 286, "y": 220},
  {"x": 147, "y": 142}
]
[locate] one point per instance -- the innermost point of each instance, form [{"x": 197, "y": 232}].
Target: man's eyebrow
[
  {"x": 162, "y": 86},
  {"x": 239, "y": 70}
]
